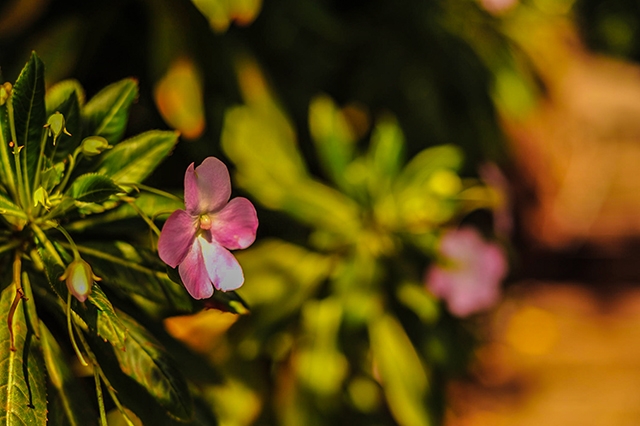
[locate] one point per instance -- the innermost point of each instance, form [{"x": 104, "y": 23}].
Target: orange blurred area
[
  {"x": 580, "y": 144},
  {"x": 558, "y": 354},
  {"x": 567, "y": 352}
]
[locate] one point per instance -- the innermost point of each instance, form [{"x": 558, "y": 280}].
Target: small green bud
[
  {"x": 55, "y": 124},
  {"x": 5, "y": 92},
  {"x": 79, "y": 278},
  {"x": 94, "y": 145}
]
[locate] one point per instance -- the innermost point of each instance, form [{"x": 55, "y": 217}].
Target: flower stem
[
  {"x": 72, "y": 334},
  {"x": 72, "y": 244},
  {"x": 103, "y": 413},
  {"x": 153, "y": 190},
  {"x": 146, "y": 218},
  {"x": 24, "y": 188},
  {"x": 110, "y": 389},
  {"x": 6, "y": 166},
  {"x": 67, "y": 175},
  {"x": 47, "y": 244},
  {"x": 43, "y": 142}
]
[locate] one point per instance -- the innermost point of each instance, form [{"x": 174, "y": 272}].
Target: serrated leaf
[
  {"x": 145, "y": 361},
  {"x": 72, "y": 400},
  {"x": 23, "y": 399},
  {"x": 107, "y": 322},
  {"x": 131, "y": 161},
  {"x": 29, "y": 113},
  {"x": 107, "y": 112},
  {"x": 139, "y": 275},
  {"x": 93, "y": 188}
]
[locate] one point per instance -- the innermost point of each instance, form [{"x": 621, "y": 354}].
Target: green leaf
[
  {"x": 29, "y": 113},
  {"x": 401, "y": 372},
  {"x": 333, "y": 138},
  {"x": 138, "y": 275},
  {"x": 145, "y": 361},
  {"x": 385, "y": 154},
  {"x": 260, "y": 140},
  {"x": 131, "y": 161},
  {"x": 7, "y": 165},
  {"x": 66, "y": 98},
  {"x": 68, "y": 395},
  {"x": 106, "y": 113},
  {"x": 152, "y": 205},
  {"x": 93, "y": 188},
  {"x": 58, "y": 94},
  {"x": 425, "y": 163},
  {"x": 98, "y": 314},
  {"x": 280, "y": 274},
  {"x": 12, "y": 213},
  {"x": 107, "y": 323},
  {"x": 23, "y": 399}
]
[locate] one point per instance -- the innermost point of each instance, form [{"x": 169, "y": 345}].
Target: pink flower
[
  {"x": 198, "y": 240},
  {"x": 470, "y": 280},
  {"x": 496, "y": 7}
]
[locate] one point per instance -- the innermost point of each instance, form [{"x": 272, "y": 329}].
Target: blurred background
[{"x": 543, "y": 98}]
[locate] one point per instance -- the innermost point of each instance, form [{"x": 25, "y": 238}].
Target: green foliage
[
  {"x": 23, "y": 393},
  {"x": 351, "y": 310},
  {"x": 51, "y": 195}
]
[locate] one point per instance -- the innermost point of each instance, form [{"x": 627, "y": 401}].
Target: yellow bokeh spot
[
  {"x": 445, "y": 182},
  {"x": 532, "y": 331},
  {"x": 364, "y": 394}
]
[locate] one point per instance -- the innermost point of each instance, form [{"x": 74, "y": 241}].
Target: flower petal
[
  {"x": 176, "y": 238},
  {"x": 235, "y": 225},
  {"x": 223, "y": 269},
  {"x": 207, "y": 188},
  {"x": 194, "y": 273}
]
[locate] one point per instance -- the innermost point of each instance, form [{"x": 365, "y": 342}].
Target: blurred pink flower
[
  {"x": 470, "y": 280},
  {"x": 497, "y": 7},
  {"x": 198, "y": 240}
]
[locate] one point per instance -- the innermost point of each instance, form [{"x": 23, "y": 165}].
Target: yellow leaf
[{"x": 178, "y": 96}]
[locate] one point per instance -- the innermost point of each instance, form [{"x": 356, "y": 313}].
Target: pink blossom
[
  {"x": 497, "y": 7},
  {"x": 469, "y": 280},
  {"x": 198, "y": 240}
]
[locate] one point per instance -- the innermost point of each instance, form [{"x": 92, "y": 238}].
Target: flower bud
[
  {"x": 5, "y": 92},
  {"x": 55, "y": 124},
  {"x": 94, "y": 145},
  {"x": 79, "y": 278}
]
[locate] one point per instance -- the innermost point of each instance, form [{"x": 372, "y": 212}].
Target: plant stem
[
  {"x": 72, "y": 334},
  {"x": 146, "y": 218},
  {"x": 43, "y": 142},
  {"x": 67, "y": 175},
  {"x": 110, "y": 389},
  {"x": 154, "y": 191},
  {"x": 47, "y": 244},
  {"x": 24, "y": 187},
  {"x": 103, "y": 413},
  {"x": 6, "y": 165}
]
